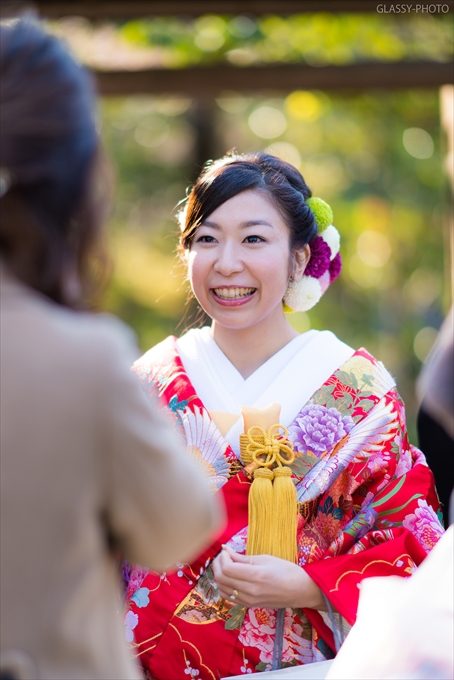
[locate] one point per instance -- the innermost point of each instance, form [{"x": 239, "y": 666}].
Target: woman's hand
[{"x": 264, "y": 581}]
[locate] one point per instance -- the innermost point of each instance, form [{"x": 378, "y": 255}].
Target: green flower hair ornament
[
  {"x": 324, "y": 265},
  {"x": 322, "y": 212}
]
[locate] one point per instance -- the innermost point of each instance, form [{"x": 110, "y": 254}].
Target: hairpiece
[{"x": 324, "y": 264}]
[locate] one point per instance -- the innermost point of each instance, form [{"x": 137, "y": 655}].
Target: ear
[{"x": 300, "y": 258}]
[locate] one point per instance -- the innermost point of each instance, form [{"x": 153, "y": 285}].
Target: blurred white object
[
  {"x": 405, "y": 627},
  {"x": 311, "y": 671},
  {"x": 435, "y": 384}
]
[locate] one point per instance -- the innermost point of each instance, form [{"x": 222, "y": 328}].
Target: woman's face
[{"x": 240, "y": 261}]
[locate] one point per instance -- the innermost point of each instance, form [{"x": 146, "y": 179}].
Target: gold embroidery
[
  {"x": 194, "y": 648},
  {"x": 144, "y": 642},
  {"x": 369, "y": 564}
]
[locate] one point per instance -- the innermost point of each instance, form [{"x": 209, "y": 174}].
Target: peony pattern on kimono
[
  {"x": 298, "y": 647},
  {"x": 362, "y": 443},
  {"x": 379, "y": 464},
  {"x": 318, "y": 429},
  {"x": 238, "y": 541},
  {"x": 424, "y": 524},
  {"x": 405, "y": 463},
  {"x": 258, "y": 631}
]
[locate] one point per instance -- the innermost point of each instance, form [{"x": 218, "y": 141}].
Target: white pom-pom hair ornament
[
  {"x": 302, "y": 295},
  {"x": 332, "y": 238}
]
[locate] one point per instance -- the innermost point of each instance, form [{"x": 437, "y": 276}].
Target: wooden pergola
[
  {"x": 209, "y": 81},
  {"x": 203, "y": 83}
]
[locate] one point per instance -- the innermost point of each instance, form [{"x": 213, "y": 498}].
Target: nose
[{"x": 228, "y": 260}]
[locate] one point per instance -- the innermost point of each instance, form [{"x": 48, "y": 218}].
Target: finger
[
  {"x": 228, "y": 594},
  {"x": 234, "y": 556},
  {"x": 255, "y": 559},
  {"x": 219, "y": 564},
  {"x": 242, "y": 571},
  {"x": 229, "y": 585},
  {"x": 236, "y": 597},
  {"x": 230, "y": 575}
]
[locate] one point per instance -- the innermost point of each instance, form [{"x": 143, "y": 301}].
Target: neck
[{"x": 249, "y": 348}]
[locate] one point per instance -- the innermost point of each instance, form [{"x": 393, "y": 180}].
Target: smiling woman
[
  {"x": 303, "y": 436},
  {"x": 239, "y": 269}
]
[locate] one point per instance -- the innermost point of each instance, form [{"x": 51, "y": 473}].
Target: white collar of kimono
[{"x": 290, "y": 377}]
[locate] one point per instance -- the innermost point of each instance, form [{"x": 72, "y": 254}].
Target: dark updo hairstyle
[
  {"x": 229, "y": 176},
  {"x": 50, "y": 208}
]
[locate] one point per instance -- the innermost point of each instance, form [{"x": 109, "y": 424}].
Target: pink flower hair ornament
[{"x": 324, "y": 265}]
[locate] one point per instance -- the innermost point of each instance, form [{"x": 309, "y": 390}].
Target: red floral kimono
[{"x": 367, "y": 507}]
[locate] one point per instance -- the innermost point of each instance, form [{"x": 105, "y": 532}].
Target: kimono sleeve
[
  {"x": 394, "y": 526},
  {"x": 160, "y": 507}
]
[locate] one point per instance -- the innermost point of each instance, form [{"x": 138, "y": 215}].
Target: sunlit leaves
[{"x": 316, "y": 39}]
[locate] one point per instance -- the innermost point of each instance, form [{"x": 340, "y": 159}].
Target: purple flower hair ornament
[{"x": 324, "y": 265}]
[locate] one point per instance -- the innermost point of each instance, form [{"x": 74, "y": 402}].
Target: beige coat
[{"x": 84, "y": 458}]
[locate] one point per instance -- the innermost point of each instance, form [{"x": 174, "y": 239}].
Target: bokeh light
[
  {"x": 422, "y": 288},
  {"x": 209, "y": 33},
  {"x": 418, "y": 143},
  {"x": 325, "y": 175},
  {"x": 288, "y": 152},
  {"x": 372, "y": 212},
  {"x": 242, "y": 26},
  {"x": 267, "y": 122},
  {"x": 373, "y": 248},
  {"x": 364, "y": 275},
  {"x": 423, "y": 342},
  {"x": 302, "y": 105}
]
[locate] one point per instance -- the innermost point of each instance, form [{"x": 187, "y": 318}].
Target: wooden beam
[
  {"x": 214, "y": 80},
  {"x": 128, "y": 9}
]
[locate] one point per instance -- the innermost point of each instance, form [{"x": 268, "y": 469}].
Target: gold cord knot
[{"x": 267, "y": 448}]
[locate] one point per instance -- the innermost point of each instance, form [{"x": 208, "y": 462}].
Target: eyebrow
[{"x": 243, "y": 225}]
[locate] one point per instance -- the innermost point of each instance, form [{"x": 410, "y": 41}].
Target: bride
[{"x": 302, "y": 435}]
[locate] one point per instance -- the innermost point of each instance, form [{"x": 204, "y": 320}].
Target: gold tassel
[
  {"x": 284, "y": 516},
  {"x": 260, "y": 509},
  {"x": 273, "y": 508}
]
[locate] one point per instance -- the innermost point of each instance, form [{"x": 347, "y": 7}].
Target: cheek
[
  {"x": 195, "y": 272},
  {"x": 191, "y": 268},
  {"x": 278, "y": 268}
]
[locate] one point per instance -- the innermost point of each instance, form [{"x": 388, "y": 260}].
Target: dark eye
[
  {"x": 254, "y": 239},
  {"x": 205, "y": 238}
]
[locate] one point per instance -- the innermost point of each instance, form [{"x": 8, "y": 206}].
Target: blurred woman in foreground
[{"x": 89, "y": 467}]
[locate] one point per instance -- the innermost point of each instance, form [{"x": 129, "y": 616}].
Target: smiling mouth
[{"x": 233, "y": 293}]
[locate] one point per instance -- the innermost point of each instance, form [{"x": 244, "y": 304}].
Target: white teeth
[{"x": 233, "y": 293}]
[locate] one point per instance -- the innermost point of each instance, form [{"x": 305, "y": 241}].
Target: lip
[{"x": 232, "y": 302}]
